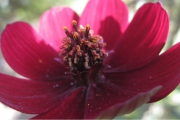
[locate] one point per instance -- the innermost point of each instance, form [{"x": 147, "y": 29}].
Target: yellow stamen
[
  {"x": 74, "y": 22},
  {"x": 65, "y": 28}
]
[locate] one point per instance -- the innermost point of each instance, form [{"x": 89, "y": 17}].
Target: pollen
[
  {"x": 81, "y": 49},
  {"x": 65, "y": 28},
  {"x": 97, "y": 94},
  {"x": 74, "y": 22},
  {"x": 40, "y": 61}
]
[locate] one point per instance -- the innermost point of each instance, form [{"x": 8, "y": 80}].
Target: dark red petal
[
  {"x": 52, "y": 23},
  {"x": 143, "y": 39},
  {"x": 129, "y": 105},
  {"x": 164, "y": 71},
  {"x": 107, "y": 18},
  {"x": 103, "y": 97},
  {"x": 72, "y": 107},
  {"x": 26, "y": 52},
  {"x": 31, "y": 96}
]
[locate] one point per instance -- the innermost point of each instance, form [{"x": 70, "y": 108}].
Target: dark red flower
[{"x": 91, "y": 89}]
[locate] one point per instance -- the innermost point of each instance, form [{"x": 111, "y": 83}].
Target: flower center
[{"x": 82, "y": 52}]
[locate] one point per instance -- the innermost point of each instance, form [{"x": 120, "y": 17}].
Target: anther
[
  {"x": 87, "y": 30},
  {"x": 87, "y": 27},
  {"x": 76, "y": 37},
  {"x": 89, "y": 45},
  {"x": 66, "y": 31},
  {"x": 65, "y": 28},
  {"x": 78, "y": 48},
  {"x": 75, "y": 25},
  {"x": 66, "y": 46}
]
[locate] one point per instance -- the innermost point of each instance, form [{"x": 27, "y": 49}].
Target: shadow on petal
[{"x": 111, "y": 32}]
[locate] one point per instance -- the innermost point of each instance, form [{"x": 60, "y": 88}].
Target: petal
[
  {"x": 143, "y": 39},
  {"x": 72, "y": 107},
  {"x": 27, "y": 54},
  {"x": 129, "y": 105},
  {"x": 164, "y": 71},
  {"x": 105, "y": 96},
  {"x": 31, "y": 96},
  {"x": 52, "y": 23},
  {"x": 108, "y": 19}
]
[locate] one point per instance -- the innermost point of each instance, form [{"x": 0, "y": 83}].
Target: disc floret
[{"x": 81, "y": 49}]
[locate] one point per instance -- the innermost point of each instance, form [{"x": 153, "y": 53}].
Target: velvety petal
[
  {"x": 104, "y": 96},
  {"x": 107, "y": 18},
  {"x": 143, "y": 39},
  {"x": 31, "y": 96},
  {"x": 129, "y": 105},
  {"x": 27, "y": 54},
  {"x": 72, "y": 107},
  {"x": 52, "y": 23},
  {"x": 164, "y": 71}
]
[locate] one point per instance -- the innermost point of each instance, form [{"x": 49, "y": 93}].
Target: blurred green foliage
[{"x": 26, "y": 10}]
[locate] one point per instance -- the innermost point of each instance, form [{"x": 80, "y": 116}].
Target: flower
[{"x": 89, "y": 88}]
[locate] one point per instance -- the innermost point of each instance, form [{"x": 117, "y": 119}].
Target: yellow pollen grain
[
  {"x": 66, "y": 46},
  {"x": 75, "y": 35},
  {"x": 78, "y": 48},
  {"x": 88, "y": 104},
  {"x": 86, "y": 42},
  {"x": 97, "y": 94},
  {"x": 74, "y": 22},
  {"x": 40, "y": 61},
  {"x": 88, "y": 27},
  {"x": 94, "y": 40},
  {"x": 65, "y": 28}
]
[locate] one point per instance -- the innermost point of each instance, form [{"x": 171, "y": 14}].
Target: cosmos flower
[{"x": 107, "y": 68}]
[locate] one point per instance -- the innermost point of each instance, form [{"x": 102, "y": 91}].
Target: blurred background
[{"x": 31, "y": 10}]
